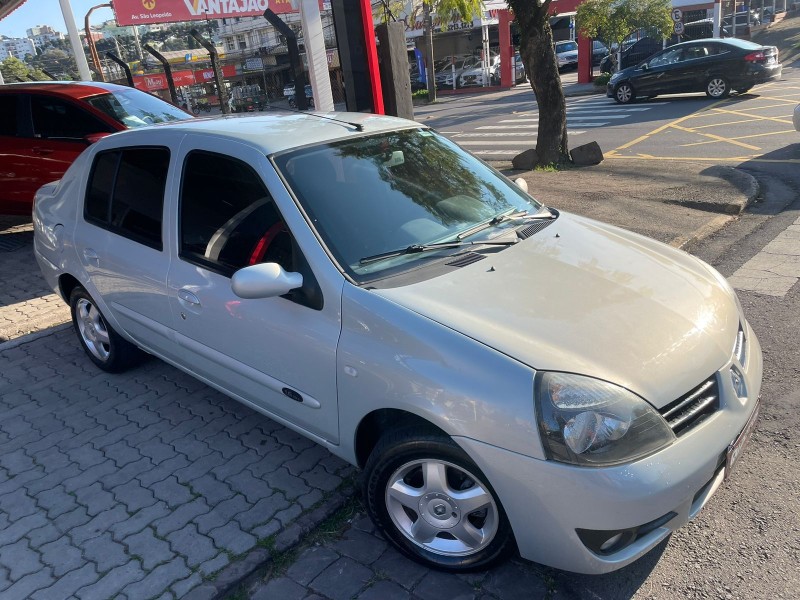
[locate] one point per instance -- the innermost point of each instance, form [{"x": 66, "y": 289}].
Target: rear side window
[
  {"x": 8, "y": 115},
  {"x": 125, "y": 193},
  {"x": 54, "y": 118}
]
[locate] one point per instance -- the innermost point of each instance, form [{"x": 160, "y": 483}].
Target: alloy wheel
[
  {"x": 441, "y": 507},
  {"x": 624, "y": 93},
  {"x": 93, "y": 330},
  {"x": 717, "y": 87}
]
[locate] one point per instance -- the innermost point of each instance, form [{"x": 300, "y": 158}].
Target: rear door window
[
  {"x": 125, "y": 193},
  {"x": 8, "y": 115},
  {"x": 57, "y": 119}
]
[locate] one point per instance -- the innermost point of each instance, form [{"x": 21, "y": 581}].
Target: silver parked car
[{"x": 507, "y": 375}]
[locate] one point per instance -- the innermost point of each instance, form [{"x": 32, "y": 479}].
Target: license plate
[{"x": 735, "y": 449}]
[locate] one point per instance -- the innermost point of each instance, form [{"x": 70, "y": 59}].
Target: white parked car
[
  {"x": 507, "y": 375},
  {"x": 478, "y": 76},
  {"x": 567, "y": 55}
]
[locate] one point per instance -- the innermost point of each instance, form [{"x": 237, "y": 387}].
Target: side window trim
[{"x": 106, "y": 224}]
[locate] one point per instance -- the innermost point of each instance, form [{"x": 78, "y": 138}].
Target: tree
[
  {"x": 14, "y": 69},
  {"x": 537, "y": 50},
  {"x": 613, "y": 20}
]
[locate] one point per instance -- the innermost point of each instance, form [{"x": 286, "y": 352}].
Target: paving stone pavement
[
  {"x": 360, "y": 564},
  {"x": 139, "y": 485},
  {"x": 27, "y": 305}
]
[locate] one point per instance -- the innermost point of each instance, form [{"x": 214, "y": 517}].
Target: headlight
[{"x": 589, "y": 422}]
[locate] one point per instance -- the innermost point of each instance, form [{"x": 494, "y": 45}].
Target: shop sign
[
  {"x": 207, "y": 75},
  {"x": 138, "y": 12},
  {"x": 158, "y": 81}
]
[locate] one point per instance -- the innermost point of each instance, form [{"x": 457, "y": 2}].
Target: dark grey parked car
[{"x": 713, "y": 66}]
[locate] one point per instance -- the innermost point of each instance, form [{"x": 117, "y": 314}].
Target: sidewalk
[{"x": 150, "y": 484}]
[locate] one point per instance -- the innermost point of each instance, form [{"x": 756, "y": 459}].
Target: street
[{"x": 150, "y": 484}]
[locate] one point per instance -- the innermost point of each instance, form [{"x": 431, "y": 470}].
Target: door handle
[
  {"x": 40, "y": 150},
  {"x": 188, "y": 297},
  {"x": 91, "y": 257}
]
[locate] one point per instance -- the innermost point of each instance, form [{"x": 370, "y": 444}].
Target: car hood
[
  {"x": 624, "y": 73},
  {"x": 589, "y": 298}
]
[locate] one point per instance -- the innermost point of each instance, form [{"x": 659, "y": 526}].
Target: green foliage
[
  {"x": 467, "y": 9},
  {"x": 420, "y": 95},
  {"x": 613, "y": 20},
  {"x": 14, "y": 70},
  {"x": 602, "y": 79}
]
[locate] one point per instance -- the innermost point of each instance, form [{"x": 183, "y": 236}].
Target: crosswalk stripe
[
  {"x": 602, "y": 116},
  {"x": 507, "y": 133},
  {"x": 501, "y": 127},
  {"x": 497, "y": 143}
]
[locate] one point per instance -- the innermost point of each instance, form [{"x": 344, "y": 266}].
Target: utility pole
[
  {"x": 428, "y": 29},
  {"x": 75, "y": 41}
]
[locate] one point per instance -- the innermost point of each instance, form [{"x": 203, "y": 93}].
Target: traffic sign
[
  {"x": 677, "y": 14},
  {"x": 679, "y": 28}
]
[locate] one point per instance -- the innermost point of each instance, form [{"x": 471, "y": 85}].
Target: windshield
[
  {"x": 566, "y": 46},
  {"x": 374, "y": 194},
  {"x": 134, "y": 108}
]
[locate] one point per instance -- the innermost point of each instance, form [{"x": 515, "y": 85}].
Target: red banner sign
[
  {"x": 207, "y": 75},
  {"x": 139, "y": 12},
  {"x": 158, "y": 81}
]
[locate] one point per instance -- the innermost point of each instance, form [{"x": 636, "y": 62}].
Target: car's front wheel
[
  {"x": 102, "y": 344},
  {"x": 427, "y": 497},
  {"x": 717, "y": 87},
  {"x": 624, "y": 93}
]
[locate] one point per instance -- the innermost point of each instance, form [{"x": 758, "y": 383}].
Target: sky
[{"x": 48, "y": 12}]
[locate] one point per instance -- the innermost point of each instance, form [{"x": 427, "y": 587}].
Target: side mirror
[
  {"x": 94, "y": 137},
  {"x": 266, "y": 280},
  {"x": 521, "y": 184},
  {"x": 644, "y": 66}
]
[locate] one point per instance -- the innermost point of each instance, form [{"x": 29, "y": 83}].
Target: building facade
[
  {"x": 18, "y": 47},
  {"x": 43, "y": 35}
]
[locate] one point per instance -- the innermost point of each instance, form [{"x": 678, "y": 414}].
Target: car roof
[
  {"x": 743, "y": 44},
  {"x": 73, "y": 89},
  {"x": 282, "y": 131}
]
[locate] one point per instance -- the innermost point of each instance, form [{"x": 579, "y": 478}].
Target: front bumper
[{"x": 546, "y": 502}]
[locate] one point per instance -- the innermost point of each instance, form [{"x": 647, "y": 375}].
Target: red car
[{"x": 44, "y": 126}]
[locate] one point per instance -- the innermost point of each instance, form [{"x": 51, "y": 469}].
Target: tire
[
  {"x": 717, "y": 87},
  {"x": 195, "y": 110},
  {"x": 624, "y": 93},
  {"x": 102, "y": 344},
  {"x": 397, "y": 463}
]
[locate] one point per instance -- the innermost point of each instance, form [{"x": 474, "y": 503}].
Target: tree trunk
[{"x": 538, "y": 56}]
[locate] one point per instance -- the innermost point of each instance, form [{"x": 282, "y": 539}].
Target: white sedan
[{"x": 508, "y": 376}]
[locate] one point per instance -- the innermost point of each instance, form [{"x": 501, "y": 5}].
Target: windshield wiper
[
  {"x": 418, "y": 248},
  {"x": 542, "y": 213}
]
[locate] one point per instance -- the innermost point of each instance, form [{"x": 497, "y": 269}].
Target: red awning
[{"x": 9, "y": 6}]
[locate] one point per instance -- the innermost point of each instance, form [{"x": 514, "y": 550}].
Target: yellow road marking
[
  {"x": 741, "y": 137},
  {"x": 744, "y": 114},
  {"x": 783, "y": 105},
  {"x": 717, "y": 138},
  {"x": 726, "y": 123},
  {"x": 706, "y": 159},
  {"x": 668, "y": 125}
]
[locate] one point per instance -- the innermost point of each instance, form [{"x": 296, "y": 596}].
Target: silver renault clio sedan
[{"x": 509, "y": 377}]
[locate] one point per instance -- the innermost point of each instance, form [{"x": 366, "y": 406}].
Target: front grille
[{"x": 691, "y": 409}]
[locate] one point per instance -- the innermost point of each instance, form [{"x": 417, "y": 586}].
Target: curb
[
  {"x": 255, "y": 563},
  {"x": 750, "y": 188},
  {"x": 32, "y": 337}
]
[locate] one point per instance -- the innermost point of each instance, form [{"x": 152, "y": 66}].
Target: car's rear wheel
[
  {"x": 102, "y": 344},
  {"x": 624, "y": 93},
  {"x": 717, "y": 87},
  {"x": 429, "y": 499}
]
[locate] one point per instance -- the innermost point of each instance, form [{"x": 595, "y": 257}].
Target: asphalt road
[{"x": 752, "y": 126}]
